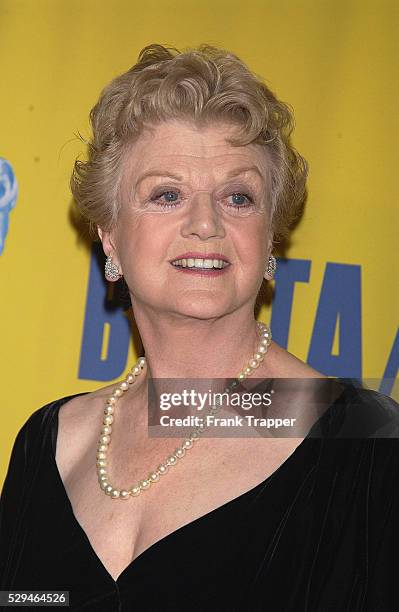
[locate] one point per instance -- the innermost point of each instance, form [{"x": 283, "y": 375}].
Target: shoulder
[
  {"x": 28, "y": 446},
  {"x": 31, "y": 433},
  {"x": 41, "y": 418},
  {"x": 360, "y": 412}
]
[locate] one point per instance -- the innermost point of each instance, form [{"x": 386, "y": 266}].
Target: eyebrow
[{"x": 177, "y": 177}]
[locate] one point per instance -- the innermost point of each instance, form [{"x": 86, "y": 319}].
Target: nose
[{"x": 202, "y": 218}]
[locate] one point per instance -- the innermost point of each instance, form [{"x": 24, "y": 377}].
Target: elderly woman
[{"x": 190, "y": 183}]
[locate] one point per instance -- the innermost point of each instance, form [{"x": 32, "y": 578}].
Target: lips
[{"x": 207, "y": 264}]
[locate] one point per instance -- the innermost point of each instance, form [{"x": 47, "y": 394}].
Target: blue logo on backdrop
[
  {"x": 338, "y": 318},
  {"x": 8, "y": 198}
]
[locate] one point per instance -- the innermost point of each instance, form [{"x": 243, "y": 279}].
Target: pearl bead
[
  {"x": 101, "y": 455},
  {"x": 115, "y": 493},
  {"x": 105, "y": 439},
  {"x": 124, "y": 494},
  {"x": 145, "y": 483},
  {"x": 262, "y": 349},
  {"x": 180, "y": 452},
  {"x": 136, "y": 370},
  {"x": 106, "y": 430},
  {"x": 264, "y": 342},
  {"x": 254, "y": 363},
  {"x": 241, "y": 376},
  {"x": 248, "y": 370},
  {"x": 102, "y": 472},
  {"x": 108, "y": 410},
  {"x": 162, "y": 469},
  {"x": 258, "y": 357},
  {"x": 104, "y": 485},
  {"x": 194, "y": 436},
  {"x": 101, "y": 463},
  {"x": 142, "y": 362},
  {"x": 118, "y": 392},
  {"x": 108, "y": 419},
  {"x": 108, "y": 489},
  {"x": 130, "y": 379},
  {"x": 153, "y": 476},
  {"x": 124, "y": 386},
  {"x": 187, "y": 443},
  {"x": 102, "y": 448},
  {"x": 134, "y": 491},
  {"x": 111, "y": 400},
  {"x": 103, "y": 478},
  {"x": 171, "y": 460}
]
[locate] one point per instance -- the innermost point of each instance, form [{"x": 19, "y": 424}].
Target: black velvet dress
[{"x": 320, "y": 534}]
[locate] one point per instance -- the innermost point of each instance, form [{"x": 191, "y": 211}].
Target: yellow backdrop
[{"x": 335, "y": 62}]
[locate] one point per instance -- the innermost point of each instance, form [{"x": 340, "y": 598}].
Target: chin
[{"x": 202, "y": 308}]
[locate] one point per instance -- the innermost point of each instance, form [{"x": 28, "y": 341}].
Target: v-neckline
[{"x": 52, "y": 438}]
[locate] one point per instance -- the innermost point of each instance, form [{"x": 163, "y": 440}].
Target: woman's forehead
[
  {"x": 183, "y": 151},
  {"x": 171, "y": 138}
]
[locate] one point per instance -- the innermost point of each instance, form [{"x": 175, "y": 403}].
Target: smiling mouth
[{"x": 199, "y": 264}]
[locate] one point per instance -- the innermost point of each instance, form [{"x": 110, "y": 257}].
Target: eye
[
  {"x": 240, "y": 200},
  {"x": 167, "y": 198}
]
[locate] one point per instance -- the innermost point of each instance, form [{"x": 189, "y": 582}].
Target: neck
[{"x": 185, "y": 347}]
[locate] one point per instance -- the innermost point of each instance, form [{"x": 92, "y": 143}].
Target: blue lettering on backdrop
[
  {"x": 100, "y": 311},
  {"x": 289, "y": 272},
  {"x": 391, "y": 370},
  {"x": 340, "y": 301}
]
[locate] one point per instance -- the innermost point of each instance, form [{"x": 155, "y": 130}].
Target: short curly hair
[{"x": 201, "y": 84}]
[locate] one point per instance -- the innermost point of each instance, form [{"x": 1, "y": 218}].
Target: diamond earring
[
  {"x": 271, "y": 267},
  {"x": 111, "y": 270}
]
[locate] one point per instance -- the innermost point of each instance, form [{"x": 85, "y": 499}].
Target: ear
[
  {"x": 270, "y": 245},
  {"x": 108, "y": 243}
]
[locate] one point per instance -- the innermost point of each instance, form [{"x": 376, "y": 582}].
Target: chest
[{"x": 214, "y": 473}]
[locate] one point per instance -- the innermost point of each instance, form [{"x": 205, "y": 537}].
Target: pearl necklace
[{"x": 155, "y": 475}]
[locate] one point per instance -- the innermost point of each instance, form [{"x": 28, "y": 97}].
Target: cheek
[
  {"x": 251, "y": 243},
  {"x": 143, "y": 248},
  {"x": 145, "y": 240}
]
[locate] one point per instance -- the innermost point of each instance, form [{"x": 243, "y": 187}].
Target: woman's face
[{"x": 191, "y": 199}]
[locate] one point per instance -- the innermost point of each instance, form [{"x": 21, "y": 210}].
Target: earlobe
[{"x": 106, "y": 240}]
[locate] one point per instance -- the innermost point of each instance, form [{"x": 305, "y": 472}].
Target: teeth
[
  {"x": 208, "y": 263},
  {"x": 200, "y": 263}
]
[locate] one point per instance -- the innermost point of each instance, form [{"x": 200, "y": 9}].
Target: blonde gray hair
[{"x": 201, "y": 84}]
